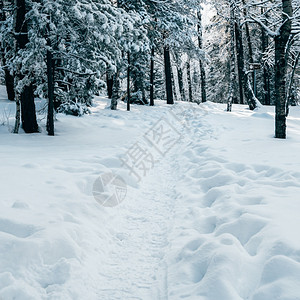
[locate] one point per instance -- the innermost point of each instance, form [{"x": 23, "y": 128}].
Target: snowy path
[
  {"x": 141, "y": 236},
  {"x": 215, "y": 219}
]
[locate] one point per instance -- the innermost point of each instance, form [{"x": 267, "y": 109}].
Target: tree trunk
[
  {"x": 202, "y": 69},
  {"x": 109, "y": 84},
  {"x": 50, "y": 75},
  {"x": 152, "y": 77},
  {"x": 266, "y": 72},
  {"x": 233, "y": 88},
  {"x": 28, "y": 114},
  {"x": 244, "y": 80},
  {"x": 189, "y": 80},
  {"x": 128, "y": 81},
  {"x": 18, "y": 114},
  {"x": 115, "y": 92},
  {"x": 168, "y": 76},
  {"x": 280, "y": 69},
  {"x": 240, "y": 63},
  {"x": 175, "y": 96},
  {"x": 249, "y": 44}
]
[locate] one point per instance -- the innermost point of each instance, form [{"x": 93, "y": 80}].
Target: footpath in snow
[{"x": 211, "y": 210}]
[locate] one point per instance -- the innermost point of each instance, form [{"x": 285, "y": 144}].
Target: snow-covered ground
[{"x": 211, "y": 210}]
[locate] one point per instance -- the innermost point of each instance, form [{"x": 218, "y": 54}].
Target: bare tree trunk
[
  {"x": 168, "y": 75},
  {"x": 174, "y": 88},
  {"x": 266, "y": 72},
  {"x": 50, "y": 74},
  {"x": 202, "y": 69},
  {"x": 240, "y": 64},
  {"x": 28, "y": 114},
  {"x": 280, "y": 69},
  {"x": 180, "y": 83},
  {"x": 18, "y": 114},
  {"x": 128, "y": 81},
  {"x": 152, "y": 77},
  {"x": 249, "y": 44},
  {"x": 233, "y": 88},
  {"x": 115, "y": 92},
  {"x": 189, "y": 80},
  {"x": 109, "y": 84}
]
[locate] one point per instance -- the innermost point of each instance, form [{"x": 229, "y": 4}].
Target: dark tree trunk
[
  {"x": 9, "y": 79},
  {"x": 175, "y": 96},
  {"x": 244, "y": 79},
  {"x": 28, "y": 114},
  {"x": 233, "y": 88},
  {"x": 152, "y": 77},
  {"x": 115, "y": 93},
  {"x": 280, "y": 69},
  {"x": 109, "y": 84},
  {"x": 240, "y": 63},
  {"x": 168, "y": 76},
  {"x": 189, "y": 80},
  {"x": 128, "y": 81},
  {"x": 266, "y": 72},
  {"x": 18, "y": 114},
  {"x": 202, "y": 69},
  {"x": 203, "y": 82},
  {"x": 180, "y": 83},
  {"x": 50, "y": 74}
]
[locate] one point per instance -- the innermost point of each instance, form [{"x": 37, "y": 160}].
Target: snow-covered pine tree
[{"x": 5, "y": 45}]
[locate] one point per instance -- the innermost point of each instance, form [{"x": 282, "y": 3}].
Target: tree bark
[
  {"x": 50, "y": 75},
  {"x": 233, "y": 88},
  {"x": 18, "y": 114},
  {"x": 266, "y": 72},
  {"x": 202, "y": 69},
  {"x": 115, "y": 92},
  {"x": 152, "y": 77},
  {"x": 189, "y": 80},
  {"x": 128, "y": 81},
  {"x": 240, "y": 63},
  {"x": 180, "y": 83},
  {"x": 168, "y": 76},
  {"x": 109, "y": 84},
  {"x": 28, "y": 114},
  {"x": 249, "y": 44},
  {"x": 281, "y": 41}
]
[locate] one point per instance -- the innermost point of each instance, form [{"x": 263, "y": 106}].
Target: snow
[{"x": 215, "y": 218}]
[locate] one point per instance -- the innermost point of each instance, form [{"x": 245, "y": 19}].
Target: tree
[
  {"x": 24, "y": 87},
  {"x": 232, "y": 98},
  {"x": 281, "y": 40},
  {"x": 5, "y": 30},
  {"x": 201, "y": 64}
]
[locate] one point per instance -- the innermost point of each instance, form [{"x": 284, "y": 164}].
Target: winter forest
[{"x": 149, "y": 149}]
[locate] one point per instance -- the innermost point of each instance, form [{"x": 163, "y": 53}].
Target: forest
[{"x": 68, "y": 51}]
